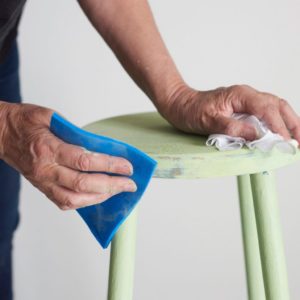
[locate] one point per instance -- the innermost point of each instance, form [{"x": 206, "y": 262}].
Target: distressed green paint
[
  {"x": 254, "y": 276},
  {"x": 122, "y": 256},
  {"x": 269, "y": 236},
  {"x": 181, "y": 155}
]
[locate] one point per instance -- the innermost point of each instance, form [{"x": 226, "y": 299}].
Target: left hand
[
  {"x": 59, "y": 170},
  {"x": 207, "y": 112}
]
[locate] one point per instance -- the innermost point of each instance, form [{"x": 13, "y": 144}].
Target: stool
[{"x": 181, "y": 155}]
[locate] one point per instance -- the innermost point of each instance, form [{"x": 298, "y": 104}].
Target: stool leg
[
  {"x": 269, "y": 236},
  {"x": 254, "y": 276},
  {"x": 122, "y": 256}
]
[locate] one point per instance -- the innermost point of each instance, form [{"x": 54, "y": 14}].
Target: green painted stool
[{"x": 182, "y": 155}]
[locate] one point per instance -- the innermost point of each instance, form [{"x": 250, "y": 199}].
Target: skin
[
  {"x": 54, "y": 167},
  {"x": 128, "y": 27},
  {"x": 143, "y": 54}
]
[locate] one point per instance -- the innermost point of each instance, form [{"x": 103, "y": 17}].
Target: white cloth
[{"x": 266, "y": 141}]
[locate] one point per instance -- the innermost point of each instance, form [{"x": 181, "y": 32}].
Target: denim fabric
[{"x": 9, "y": 178}]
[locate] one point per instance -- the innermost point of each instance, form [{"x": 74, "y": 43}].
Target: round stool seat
[{"x": 181, "y": 155}]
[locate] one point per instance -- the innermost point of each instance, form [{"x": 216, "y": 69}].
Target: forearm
[{"x": 129, "y": 29}]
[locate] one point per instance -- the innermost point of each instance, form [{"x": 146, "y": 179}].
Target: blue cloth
[
  {"x": 105, "y": 218},
  {"x": 9, "y": 178}
]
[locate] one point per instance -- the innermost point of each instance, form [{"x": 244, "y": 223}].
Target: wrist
[
  {"x": 176, "y": 103},
  {"x": 166, "y": 96}
]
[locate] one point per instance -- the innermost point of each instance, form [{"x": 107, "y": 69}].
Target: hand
[
  {"x": 210, "y": 112},
  {"x": 54, "y": 167}
]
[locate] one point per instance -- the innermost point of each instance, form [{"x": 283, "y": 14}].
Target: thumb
[{"x": 238, "y": 128}]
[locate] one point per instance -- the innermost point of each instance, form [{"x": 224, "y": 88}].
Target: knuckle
[
  {"x": 109, "y": 163},
  {"x": 63, "y": 207},
  {"x": 269, "y": 100},
  {"x": 62, "y": 201},
  {"x": 68, "y": 203},
  {"x": 56, "y": 176},
  {"x": 35, "y": 113},
  {"x": 39, "y": 148},
  {"x": 283, "y": 103},
  {"x": 80, "y": 184},
  {"x": 235, "y": 87},
  {"x": 241, "y": 88},
  {"x": 230, "y": 129},
  {"x": 246, "y": 86},
  {"x": 83, "y": 162}
]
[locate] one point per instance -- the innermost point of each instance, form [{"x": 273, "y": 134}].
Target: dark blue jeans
[{"x": 9, "y": 178}]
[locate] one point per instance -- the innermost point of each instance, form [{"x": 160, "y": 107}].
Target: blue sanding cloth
[{"x": 105, "y": 218}]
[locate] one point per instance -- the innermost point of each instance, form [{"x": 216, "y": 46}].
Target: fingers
[
  {"x": 66, "y": 199},
  {"x": 291, "y": 119},
  {"x": 275, "y": 122},
  {"x": 236, "y": 128},
  {"x": 72, "y": 189},
  {"x": 277, "y": 114},
  {"x": 78, "y": 158},
  {"x": 81, "y": 182},
  {"x": 64, "y": 176}
]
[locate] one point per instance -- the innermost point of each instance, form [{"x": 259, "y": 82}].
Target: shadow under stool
[{"x": 181, "y": 155}]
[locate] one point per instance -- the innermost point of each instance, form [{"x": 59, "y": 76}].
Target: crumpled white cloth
[{"x": 266, "y": 141}]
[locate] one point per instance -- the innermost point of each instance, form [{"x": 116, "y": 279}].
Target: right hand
[
  {"x": 207, "y": 112},
  {"x": 55, "y": 167}
]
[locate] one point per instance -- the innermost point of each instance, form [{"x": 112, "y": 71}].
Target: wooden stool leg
[
  {"x": 254, "y": 276},
  {"x": 122, "y": 256},
  {"x": 269, "y": 236}
]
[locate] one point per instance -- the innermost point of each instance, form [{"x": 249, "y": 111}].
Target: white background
[{"x": 189, "y": 238}]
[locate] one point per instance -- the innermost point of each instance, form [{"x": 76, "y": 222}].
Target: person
[{"x": 27, "y": 146}]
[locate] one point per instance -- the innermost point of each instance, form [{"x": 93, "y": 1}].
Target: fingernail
[
  {"x": 130, "y": 187},
  {"x": 128, "y": 169}
]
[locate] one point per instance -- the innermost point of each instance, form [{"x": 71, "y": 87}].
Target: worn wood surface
[{"x": 181, "y": 155}]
